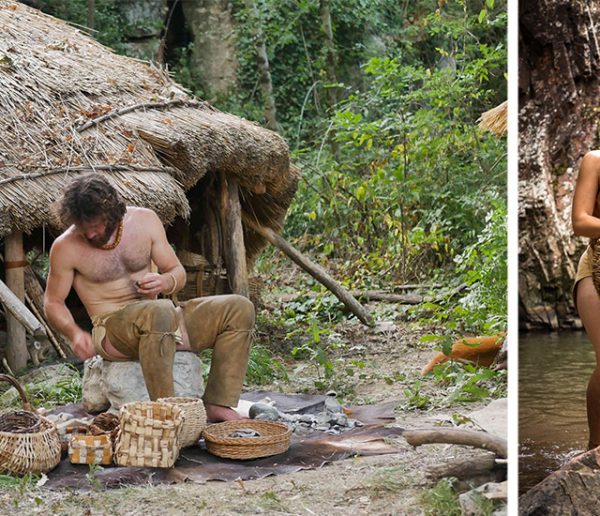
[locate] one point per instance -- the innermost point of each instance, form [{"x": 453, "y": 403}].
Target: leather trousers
[{"x": 147, "y": 331}]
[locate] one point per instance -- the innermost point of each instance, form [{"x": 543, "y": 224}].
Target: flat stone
[{"x": 113, "y": 384}]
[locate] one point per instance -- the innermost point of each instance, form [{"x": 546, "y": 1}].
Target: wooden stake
[
  {"x": 316, "y": 271},
  {"x": 235, "y": 250},
  {"x": 18, "y": 318}
]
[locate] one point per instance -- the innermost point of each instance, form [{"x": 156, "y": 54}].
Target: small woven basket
[
  {"x": 29, "y": 443},
  {"x": 91, "y": 449},
  {"x": 274, "y": 438},
  {"x": 194, "y": 419},
  {"x": 148, "y": 434},
  {"x": 105, "y": 423}
]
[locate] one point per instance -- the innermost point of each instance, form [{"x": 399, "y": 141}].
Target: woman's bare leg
[{"x": 588, "y": 305}]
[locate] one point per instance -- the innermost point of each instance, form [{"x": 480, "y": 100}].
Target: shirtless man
[{"x": 106, "y": 255}]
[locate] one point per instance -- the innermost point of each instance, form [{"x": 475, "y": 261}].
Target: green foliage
[
  {"x": 109, "y": 26},
  {"x": 441, "y": 500},
  {"x": 263, "y": 368},
  {"x": 56, "y": 395},
  {"x": 456, "y": 383}
]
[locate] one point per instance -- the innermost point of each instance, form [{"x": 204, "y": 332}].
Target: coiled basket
[{"x": 273, "y": 438}]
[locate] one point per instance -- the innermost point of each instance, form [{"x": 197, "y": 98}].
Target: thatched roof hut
[{"x": 70, "y": 105}]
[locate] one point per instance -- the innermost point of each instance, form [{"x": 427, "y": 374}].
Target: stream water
[{"x": 553, "y": 373}]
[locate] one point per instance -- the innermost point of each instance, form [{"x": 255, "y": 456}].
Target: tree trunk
[
  {"x": 143, "y": 20},
  {"x": 213, "y": 59},
  {"x": 262, "y": 60},
  {"x": 330, "y": 50},
  {"x": 91, "y": 10},
  {"x": 558, "y": 90}
]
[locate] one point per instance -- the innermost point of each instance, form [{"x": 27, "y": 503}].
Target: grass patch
[{"x": 441, "y": 500}]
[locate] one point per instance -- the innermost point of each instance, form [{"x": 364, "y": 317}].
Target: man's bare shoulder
[
  {"x": 64, "y": 247},
  {"x": 142, "y": 214},
  {"x": 68, "y": 238}
]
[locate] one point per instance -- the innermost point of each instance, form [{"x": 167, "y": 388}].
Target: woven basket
[
  {"x": 274, "y": 439},
  {"x": 148, "y": 434},
  {"x": 194, "y": 419},
  {"x": 28, "y": 443},
  {"x": 105, "y": 424},
  {"x": 91, "y": 449}
]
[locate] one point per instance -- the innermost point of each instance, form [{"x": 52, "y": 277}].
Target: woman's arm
[{"x": 586, "y": 191}]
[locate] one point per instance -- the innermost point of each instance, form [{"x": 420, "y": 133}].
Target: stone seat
[{"x": 109, "y": 385}]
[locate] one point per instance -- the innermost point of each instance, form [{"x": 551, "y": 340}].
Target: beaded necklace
[{"x": 110, "y": 247}]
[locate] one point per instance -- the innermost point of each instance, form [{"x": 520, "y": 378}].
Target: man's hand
[
  {"x": 83, "y": 345},
  {"x": 153, "y": 284}
]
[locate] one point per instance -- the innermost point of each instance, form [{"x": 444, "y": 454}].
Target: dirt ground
[{"x": 390, "y": 357}]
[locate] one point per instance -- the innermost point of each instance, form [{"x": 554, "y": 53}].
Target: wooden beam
[
  {"x": 235, "y": 250},
  {"x": 316, "y": 271},
  {"x": 12, "y": 294}
]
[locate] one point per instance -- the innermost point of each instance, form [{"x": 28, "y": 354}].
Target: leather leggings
[{"x": 147, "y": 331}]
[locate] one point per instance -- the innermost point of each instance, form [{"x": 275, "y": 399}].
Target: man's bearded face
[{"x": 97, "y": 231}]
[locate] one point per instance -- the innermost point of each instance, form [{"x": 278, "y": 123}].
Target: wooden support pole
[
  {"x": 235, "y": 250},
  {"x": 316, "y": 271},
  {"x": 16, "y": 312}
]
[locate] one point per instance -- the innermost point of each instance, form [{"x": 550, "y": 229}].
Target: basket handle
[{"x": 15, "y": 383}]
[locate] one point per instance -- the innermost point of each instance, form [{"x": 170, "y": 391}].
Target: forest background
[{"x": 378, "y": 101}]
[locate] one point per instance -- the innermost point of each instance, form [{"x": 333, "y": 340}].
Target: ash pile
[{"x": 333, "y": 419}]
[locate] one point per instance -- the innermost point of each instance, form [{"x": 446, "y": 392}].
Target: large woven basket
[
  {"x": 274, "y": 438},
  {"x": 194, "y": 419},
  {"x": 148, "y": 434},
  {"x": 29, "y": 443}
]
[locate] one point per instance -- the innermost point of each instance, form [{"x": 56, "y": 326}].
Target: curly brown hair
[{"x": 87, "y": 197}]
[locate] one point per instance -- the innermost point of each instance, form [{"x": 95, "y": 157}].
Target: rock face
[
  {"x": 112, "y": 384},
  {"x": 559, "y": 74}
]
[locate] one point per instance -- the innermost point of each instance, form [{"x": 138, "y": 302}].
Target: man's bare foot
[{"x": 218, "y": 413}]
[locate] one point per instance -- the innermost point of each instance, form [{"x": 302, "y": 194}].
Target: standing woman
[{"x": 586, "y": 222}]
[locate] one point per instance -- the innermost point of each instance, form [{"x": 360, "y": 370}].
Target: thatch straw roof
[
  {"x": 69, "y": 105},
  {"x": 495, "y": 119}
]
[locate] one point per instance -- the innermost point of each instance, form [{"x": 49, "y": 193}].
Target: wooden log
[
  {"x": 235, "y": 250},
  {"x": 12, "y": 295},
  {"x": 463, "y": 469},
  {"x": 17, "y": 310},
  {"x": 457, "y": 436},
  {"x": 313, "y": 269}
]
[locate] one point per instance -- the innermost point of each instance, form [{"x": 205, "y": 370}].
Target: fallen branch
[
  {"x": 313, "y": 269},
  {"x": 474, "y": 438},
  {"x": 367, "y": 295}
]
